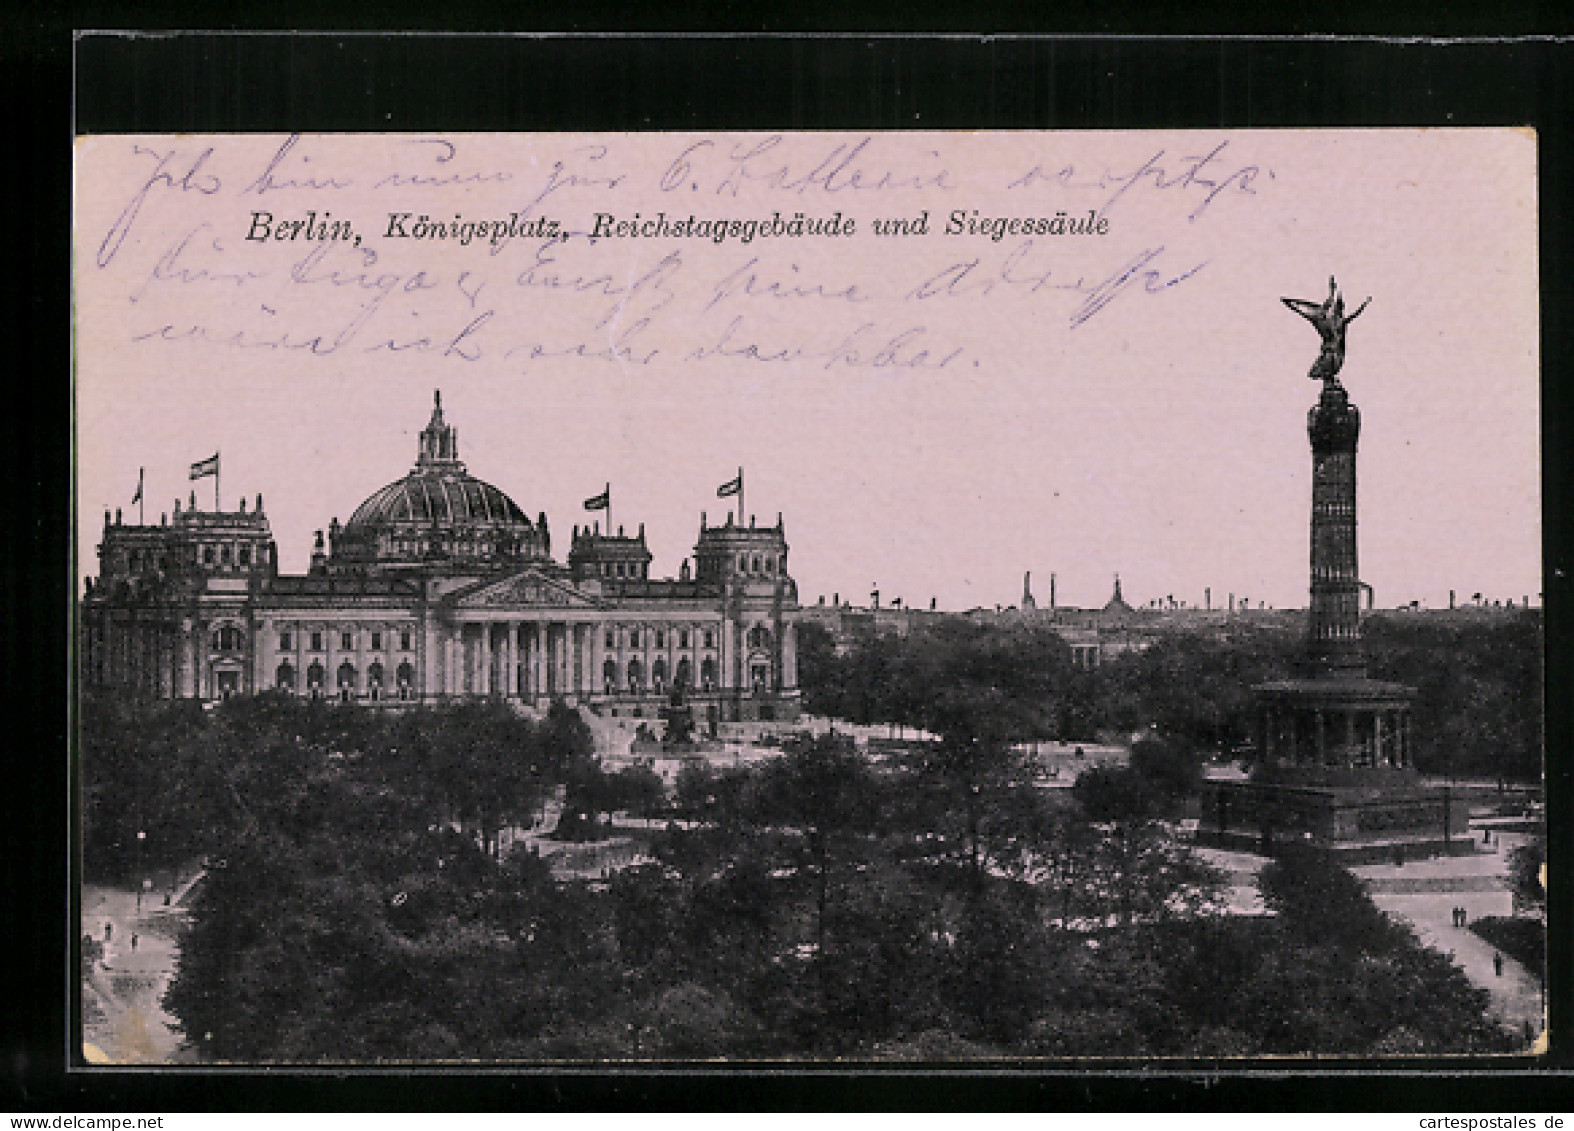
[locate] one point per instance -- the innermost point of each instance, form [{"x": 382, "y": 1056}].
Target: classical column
[
  {"x": 1351, "y": 755},
  {"x": 515, "y": 683},
  {"x": 579, "y": 659},
  {"x": 527, "y": 660},
  {"x": 537, "y": 667},
  {"x": 566, "y": 651},
  {"x": 549, "y": 657},
  {"x": 521, "y": 632},
  {"x": 621, "y": 640},
  {"x": 484, "y": 659},
  {"x": 1379, "y": 755},
  {"x": 789, "y": 667},
  {"x": 1321, "y": 740}
]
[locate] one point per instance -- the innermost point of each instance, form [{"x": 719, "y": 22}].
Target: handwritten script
[{"x": 906, "y": 253}]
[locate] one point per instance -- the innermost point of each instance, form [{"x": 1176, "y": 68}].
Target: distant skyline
[{"x": 1093, "y": 419}]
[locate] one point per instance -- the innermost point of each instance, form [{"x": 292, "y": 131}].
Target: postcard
[{"x": 633, "y": 598}]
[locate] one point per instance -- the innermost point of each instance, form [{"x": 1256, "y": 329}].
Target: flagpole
[
  {"x": 216, "y": 482},
  {"x": 141, "y": 502},
  {"x": 607, "y": 491},
  {"x": 742, "y": 510}
]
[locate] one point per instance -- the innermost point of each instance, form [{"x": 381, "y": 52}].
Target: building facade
[{"x": 440, "y": 587}]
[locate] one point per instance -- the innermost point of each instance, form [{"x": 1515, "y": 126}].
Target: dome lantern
[{"x": 439, "y": 441}]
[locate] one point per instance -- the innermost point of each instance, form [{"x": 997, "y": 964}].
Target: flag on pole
[
  {"x": 733, "y": 486},
  {"x": 137, "y": 498},
  {"x": 601, "y": 502},
  {"x": 205, "y": 467}
]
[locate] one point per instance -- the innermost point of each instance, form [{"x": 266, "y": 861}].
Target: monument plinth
[{"x": 1333, "y": 746}]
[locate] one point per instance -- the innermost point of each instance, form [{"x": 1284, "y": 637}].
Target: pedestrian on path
[
  {"x": 1497, "y": 965},
  {"x": 134, "y": 945},
  {"x": 1464, "y": 917}
]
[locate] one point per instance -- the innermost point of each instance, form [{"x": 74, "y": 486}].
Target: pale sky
[{"x": 1159, "y": 434}]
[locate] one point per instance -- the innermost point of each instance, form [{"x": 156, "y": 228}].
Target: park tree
[
  {"x": 1525, "y": 865},
  {"x": 823, "y": 793}
]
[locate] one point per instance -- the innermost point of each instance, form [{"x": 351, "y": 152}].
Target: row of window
[
  {"x": 229, "y": 639},
  {"x": 660, "y": 636},
  {"x": 221, "y": 554},
  {"x": 759, "y": 637},
  {"x": 760, "y": 563},
  {"x": 633, "y": 676},
  {"x": 140, "y": 561},
  {"x": 348, "y": 677},
  {"x": 346, "y": 641},
  {"x": 638, "y": 570}
]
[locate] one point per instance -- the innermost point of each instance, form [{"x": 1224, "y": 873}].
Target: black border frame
[{"x": 354, "y": 80}]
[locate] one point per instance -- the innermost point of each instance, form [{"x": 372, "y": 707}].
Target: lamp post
[{"x": 141, "y": 836}]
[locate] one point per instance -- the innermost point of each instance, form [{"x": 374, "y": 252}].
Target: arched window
[
  {"x": 406, "y": 677},
  {"x": 609, "y": 675},
  {"x": 685, "y": 672},
  {"x": 284, "y": 678},
  {"x": 374, "y": 676},
  {"x": 315, "y": 676},
  {"x": 759, "y": 637},
  {"x": 708, "y": 673},
  {"x": 770, "y": 564},
  {"x": 710, "y": 639},
  {"x": 636, "y": 676},
  {"x": 755, "y": 564},
  {"x": 347, "y": 675},
  {"x": 612, "y": 639},
  {"x": 658, "y": 673}
]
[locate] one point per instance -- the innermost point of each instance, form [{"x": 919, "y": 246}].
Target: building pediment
[{"x": 528, "y": 589}]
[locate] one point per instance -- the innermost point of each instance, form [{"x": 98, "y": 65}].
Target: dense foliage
[
  {"x": 1478, "y": 676},
  {"x": 1522, "y": 938},
  {"x": 359, "y": 902},
  {"x": 189, "y": 778}
]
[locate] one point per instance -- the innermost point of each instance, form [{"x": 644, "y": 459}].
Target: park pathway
[
  {"x": 1424, "y": 893},
  {"x": 1516, "y": 992},
  {"x": 123, "y": 1017}
]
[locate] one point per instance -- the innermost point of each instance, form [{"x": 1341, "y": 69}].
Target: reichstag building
[{"x": 440, "y": 587}]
